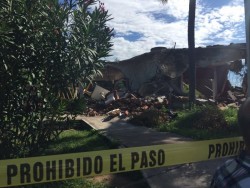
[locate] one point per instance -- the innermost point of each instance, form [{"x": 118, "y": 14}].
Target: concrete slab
[{"x": 194, "y": 175}]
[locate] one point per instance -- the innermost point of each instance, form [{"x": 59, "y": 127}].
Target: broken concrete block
[{"x": 98, "y": 92}]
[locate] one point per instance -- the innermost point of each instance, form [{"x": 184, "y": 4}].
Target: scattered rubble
[
  {"x": 125, "y": 104},
  {"x": 232, "y": 98}
]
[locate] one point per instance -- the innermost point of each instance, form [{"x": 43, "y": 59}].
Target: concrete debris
[
  {"x": 115, "y": 112},
  {"x": 123, "y": 104},
  {"x": 126, "y": 107},
  {"x": 99, "y": 93},
  {"x": 161, "y": 98},
  {"x": 91, "y": 112},
  {"x": 109, "y": 98}
]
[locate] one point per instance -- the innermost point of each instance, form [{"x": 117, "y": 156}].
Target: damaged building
[{"x": 164, "y": 70}]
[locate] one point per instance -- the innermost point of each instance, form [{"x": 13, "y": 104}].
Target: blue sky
[{"x": 141, "y": 25}]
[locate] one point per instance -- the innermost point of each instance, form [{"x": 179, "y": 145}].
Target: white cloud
[
  {"x": 232, "y": 14},
  {"x": 178, "y": 9},
  {"x": 163, "y": 25},
  {"x": 224, "y": 25}
]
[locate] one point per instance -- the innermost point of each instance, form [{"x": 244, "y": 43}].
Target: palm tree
[
  {"x": 247, "y": 22},
  {"x": 191, "y": 47}
]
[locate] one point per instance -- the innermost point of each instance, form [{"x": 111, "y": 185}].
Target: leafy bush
[
  {"x": 150, "y": 118},
  {"x": 230, "y": 115},
  {"x": 201, "y": 117},
  {"x": 47, "y": 48},
  {"x": 204, "y": 122},
  {"x": 208, "y": 117}
]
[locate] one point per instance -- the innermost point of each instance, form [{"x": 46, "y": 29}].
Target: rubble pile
[
  {"x": 232, "y": 98},
  {"x": 125, "y": 104},
  {"x": 126, "y": 107}
]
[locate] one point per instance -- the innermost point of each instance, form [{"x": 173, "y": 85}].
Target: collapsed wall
[{"x": 169, "y": 65}]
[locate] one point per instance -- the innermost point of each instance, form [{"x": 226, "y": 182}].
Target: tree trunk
[
  {"x": 247, "y": 22},
  {"x": 191, "y": 46}
]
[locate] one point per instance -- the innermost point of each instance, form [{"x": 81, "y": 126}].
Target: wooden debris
[
  {"x": 230, "y": 93},
  {"x": 115, "y": 112}
]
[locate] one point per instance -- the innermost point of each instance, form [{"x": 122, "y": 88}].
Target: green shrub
[
  {"x": 201, "y": 117},
  {"x": 230, "y": 115},
  {"x": 47, "y": 48},
  {"x": 150, "y": 118},
  {"x": 204, "y": 122}
]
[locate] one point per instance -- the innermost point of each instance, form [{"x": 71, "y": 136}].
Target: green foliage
[
  {"x": 75, "y": 106},
  {"x": 197, "y": 93},
  {"x": 46, "y": 50},
  {"x": 204, "y": 122},
  {"x": 72, "y": 140},
  {"x": 202, "y": 117},
  {"x": 149, "y": 118},
  {"x": 77, "y": 138},
  {"x": 230, "y": 115},
  {"x": 208, "y": 117}
]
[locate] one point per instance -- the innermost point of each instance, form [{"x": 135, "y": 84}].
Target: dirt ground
[{"x": 123, "y": 180}]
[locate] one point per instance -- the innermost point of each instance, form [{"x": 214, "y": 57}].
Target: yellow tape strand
[{"x": 31, "y": 170}]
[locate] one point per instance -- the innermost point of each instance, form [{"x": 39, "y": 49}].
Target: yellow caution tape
[{"x": 31, "y": 170}]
